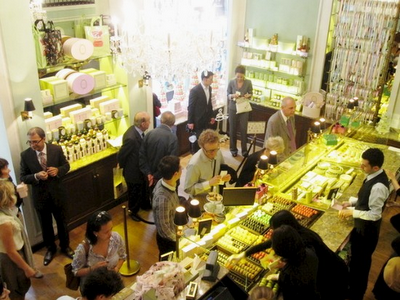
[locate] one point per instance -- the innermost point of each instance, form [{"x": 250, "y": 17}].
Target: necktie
[
  {"x": 142, "y": 135},
  {"x": 43, "y": 161},
  {"x": 291, "y": 135}
]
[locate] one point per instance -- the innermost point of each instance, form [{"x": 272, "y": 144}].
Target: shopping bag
[
  {"x": 72, "y": 282},
  {"x": 242, "y": 105},
  {"x": 120, "y": 186},
  {"x": 38, "y": 32},
  {"x": 53, "y": 44},
  {"x": 99, "y": 36}
]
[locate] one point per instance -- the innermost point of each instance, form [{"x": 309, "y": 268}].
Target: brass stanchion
[{"x": 129, "y": 267}]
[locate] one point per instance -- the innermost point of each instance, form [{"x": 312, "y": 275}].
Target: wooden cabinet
[{"x": 89, "y": 189}]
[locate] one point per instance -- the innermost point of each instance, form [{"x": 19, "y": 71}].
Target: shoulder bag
[{"x": 72, "y": 282}]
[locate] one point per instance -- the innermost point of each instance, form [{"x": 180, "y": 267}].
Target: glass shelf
[
  {"x": 272, "y": 70},
  {"x": 74, "y": 96},
  {"x": 68, "y": 62},
  {"x": 274, "y": 50}
]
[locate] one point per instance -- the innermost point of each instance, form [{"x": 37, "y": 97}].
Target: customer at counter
[
  {"x": 331, "y": 267},
  {"x": 367, "y": 216},
  {"x": 387, "y": 286},
  {"x": 203, "y": 169},
  {"x": 165, "y": 201},
  {"x": 298, "y": 277},
  {"x": 273, "y": 143},
  {"x": 282, "y": 124},
  {"x": 395, "y": 220},
  {"x": 239, "y": 87}
]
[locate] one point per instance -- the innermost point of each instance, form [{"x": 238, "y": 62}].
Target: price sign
[{"x": 256, "y": 127}]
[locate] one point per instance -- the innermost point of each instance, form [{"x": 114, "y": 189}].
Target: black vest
[{"x": 365, "y": 190}]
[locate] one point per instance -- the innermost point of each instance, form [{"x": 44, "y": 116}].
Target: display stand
[
  {"x": 219, "y": 118},
  {"x": 253, "y": 128},
  {"x": 129, "y": 267}
]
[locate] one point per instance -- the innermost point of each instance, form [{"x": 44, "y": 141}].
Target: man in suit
[
  {"x": 200, "y": 110},
  {"x": 43, "y": 166},
  {"x": 158, "y": 143},
  {"x": 128, "y": 159},
  {"x": 282, "y": 124}
]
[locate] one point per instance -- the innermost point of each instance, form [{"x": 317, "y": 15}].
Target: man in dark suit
[
  {"x": 43, "y": 166},
  {"x": 200, "y": 110},
  {"x": 128, "y": 159},
  {"x": 282, "y": 124},
  {"x": 158, "y": 143}
]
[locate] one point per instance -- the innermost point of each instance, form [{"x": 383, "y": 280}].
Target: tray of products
[
  {"x": 246, "y": 274},
  {"x": 242, "y": 234},
  {"x": 305, "y": 215},
  {"x": 231, "y": 245},
  {"x": 272, "y": 284},
  {"x": 276, "y": 204},
  {"x": 258, "y": 222}
]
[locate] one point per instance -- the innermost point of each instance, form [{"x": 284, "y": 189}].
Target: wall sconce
[
  {"x": 146, "y": 78},
  {"x": 180, "y": 219},
  {"x": 194, "y": 211},
  {"x": 29, "y": 107}
]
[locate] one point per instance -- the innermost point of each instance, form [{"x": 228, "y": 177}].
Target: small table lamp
[
  {"x": 194, "y": 211},
  {"x": 180, "y": 219},
  {"x": 273, "y": 157}
]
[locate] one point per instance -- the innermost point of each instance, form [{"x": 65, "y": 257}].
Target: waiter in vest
[{"x": 367, "y": 214}]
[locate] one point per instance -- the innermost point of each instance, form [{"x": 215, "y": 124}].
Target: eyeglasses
[
  {"x": 211, "y": 150},
  {"x": 100, "y": 215},
  {"x": 34, "y": 142}
]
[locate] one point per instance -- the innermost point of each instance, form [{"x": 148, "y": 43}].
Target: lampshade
[
  {"x": 263, "y": 163},
  {"x": 29, "y": 106},
  {"x": 181, "y": 217},
  {"x": 273, "y": 157},
  {"x": 355, "y": 101},
  {"x": 322, "y": 121},
  {"x": 350, "y": 105},
  {"x": 316, "y": 128},
  {"x": 194, "y": 209}
]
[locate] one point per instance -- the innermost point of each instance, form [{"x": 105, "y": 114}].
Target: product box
[
  {"x": 100, "y": 78},
  {"x": 53, "y": 123},
  {"x": 95, "y": 102},
  {"x": 80, "y": 115},
  {"x": 64, "y": 111},
  {"x": 109, "y": 106},
  {"x": 58, "y": 87},
  {"x": 47, "y": 114}
]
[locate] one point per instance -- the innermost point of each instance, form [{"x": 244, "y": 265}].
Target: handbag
[
  {"x": 242, "y": 105},
  {"x": 73, "y": 282},
  {"x": 38, "y": 34},
  {"x": 99, "y": 36}
]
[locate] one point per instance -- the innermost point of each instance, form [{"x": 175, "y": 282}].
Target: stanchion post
[{"x": 129, "y": 267}]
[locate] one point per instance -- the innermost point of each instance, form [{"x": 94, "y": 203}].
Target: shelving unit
[
  {"x": 274, "y": 73},
  {"x": 362, "y": 39}
]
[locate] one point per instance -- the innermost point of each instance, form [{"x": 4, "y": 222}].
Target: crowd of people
[{"x": 308, "y": 269}]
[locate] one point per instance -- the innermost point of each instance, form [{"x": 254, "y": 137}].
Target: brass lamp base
[{"x": 129, "y": 268}]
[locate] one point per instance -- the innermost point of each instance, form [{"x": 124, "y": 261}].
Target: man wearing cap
[{"x": 200, "y": 110}]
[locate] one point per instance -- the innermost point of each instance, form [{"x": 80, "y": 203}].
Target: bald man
[
  {"x": 282, "y": 124},
  {"x": 128, "y": 159}
]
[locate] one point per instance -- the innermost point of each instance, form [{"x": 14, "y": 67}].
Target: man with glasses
[
  {"x": 203, "y": 169},
  {"x": 43, "y": 166}
]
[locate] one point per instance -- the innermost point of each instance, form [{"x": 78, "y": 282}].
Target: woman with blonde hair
[{"x": 16, "y": 263}]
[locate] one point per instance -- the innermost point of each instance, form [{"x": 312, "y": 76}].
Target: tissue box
[
  {"x": 100, "y": 78},
  {"x": 58, "y": 87},
  {"x": 64, "y": 111},
  {"x": 330, "y": 139}
]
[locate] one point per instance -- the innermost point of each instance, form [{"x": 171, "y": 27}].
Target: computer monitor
[{"x": 239, "y": 196}]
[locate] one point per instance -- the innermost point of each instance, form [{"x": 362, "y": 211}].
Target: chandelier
[{"x": 171, "y": 39}]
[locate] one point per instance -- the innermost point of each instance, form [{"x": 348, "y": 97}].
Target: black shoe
[
  {"x": 68, "y": 252},
  {"x": 234, "y": 154},
  {"x": 245, "y": 154},
  {"x": 135, "y": 217},
  {"x": 48, "y": 257}
]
